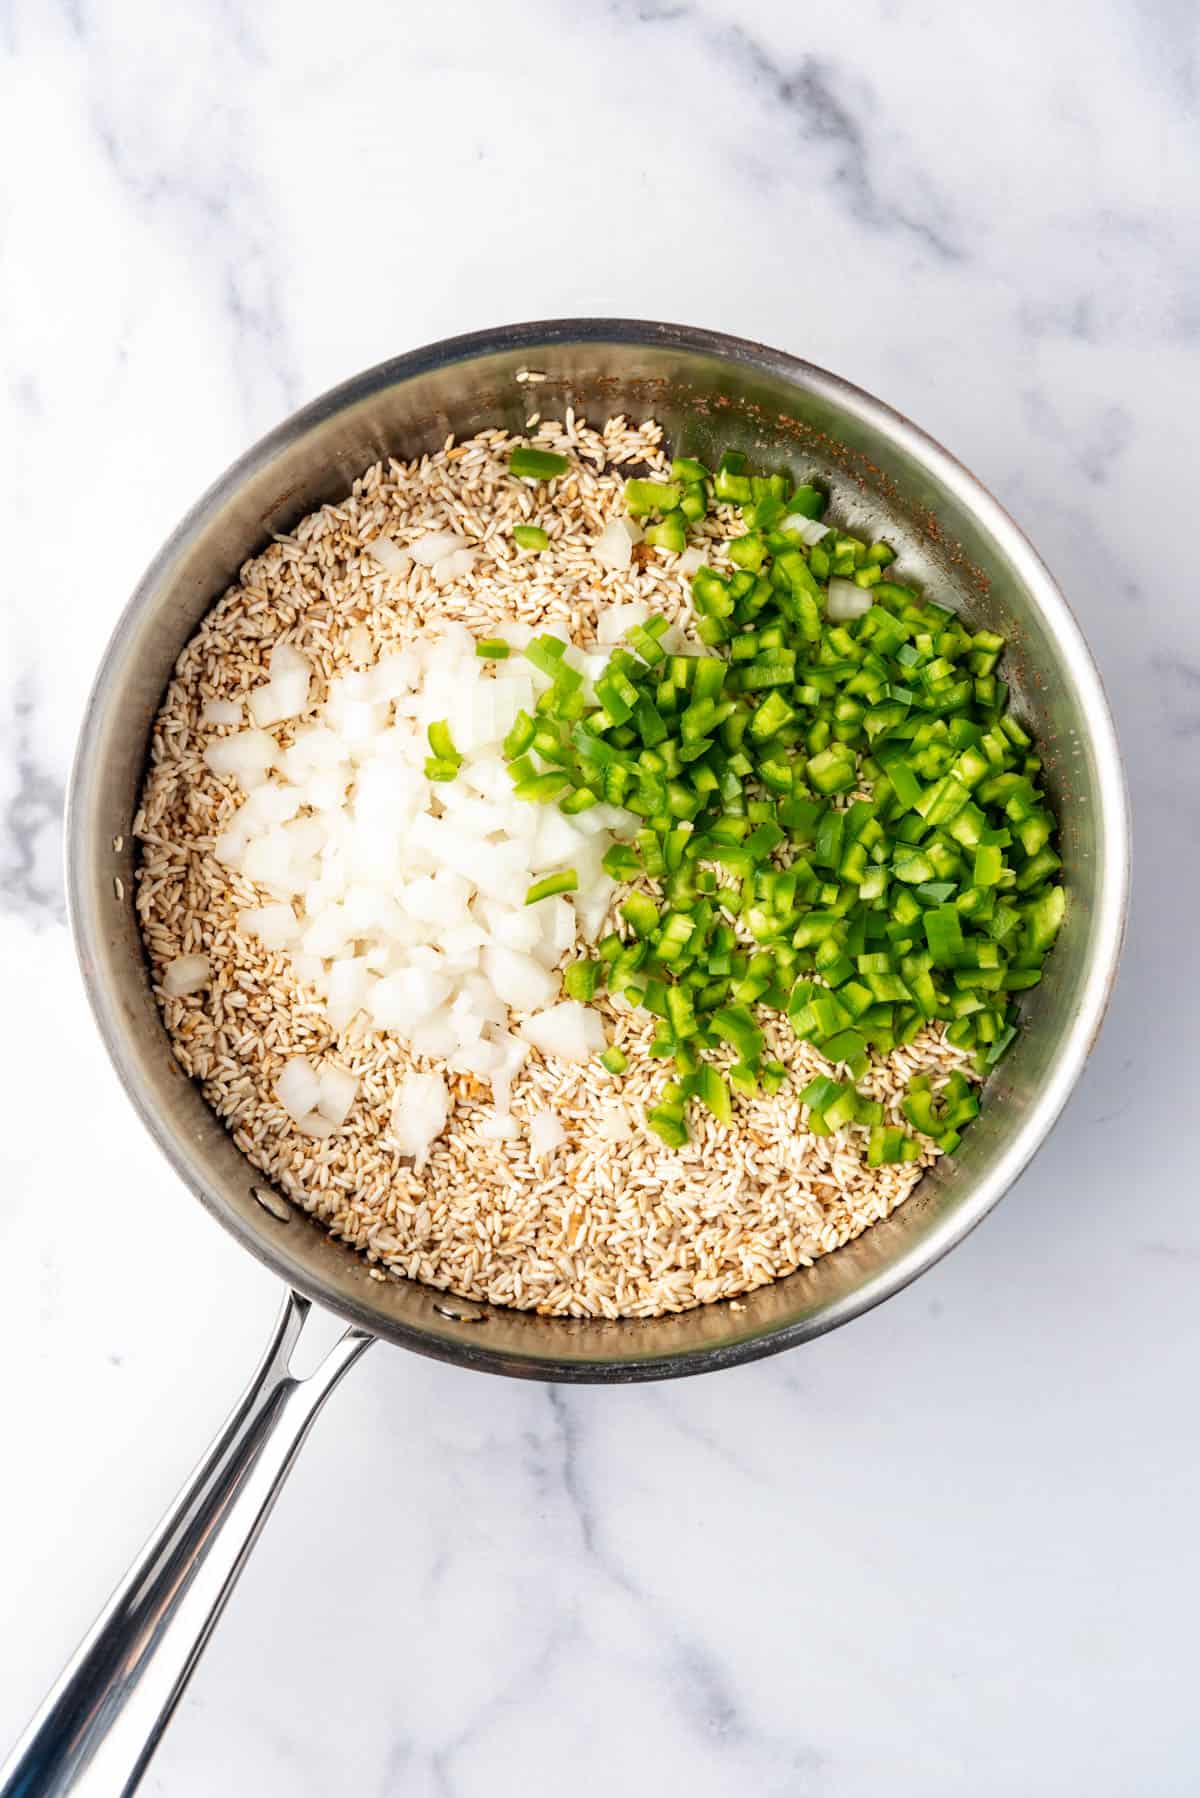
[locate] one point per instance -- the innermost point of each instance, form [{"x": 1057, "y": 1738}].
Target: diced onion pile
[{"x": 401, "y": 899}]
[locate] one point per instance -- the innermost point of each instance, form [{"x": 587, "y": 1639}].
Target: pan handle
[{"x": 97, "y": 1730}]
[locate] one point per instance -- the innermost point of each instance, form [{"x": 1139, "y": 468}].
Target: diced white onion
[
  {"x": 613, "y": 622},
  {"x": 308, "y": 837},
  {"x": 454, "y": 566},
  {"x": 346, "y": 990},
  {"x": 326, "y": 791},
  {"x": 613, "y": 548},
  {"x": 285, "y": 659},
  {"x": 591, "y": 905},
  {"x": 846, "y": 600},
  {"x": 518, "y": 636},
  {"x": 691, "y": 559},
  {"x": 275, "y": 926},
  {"x": 514, "y": 1055},
  {"x": 479, "y": 1059},
  {"x": 483, "y": 1000},
  {"x": 269, "y": 805},
  {"x": 268, "y": 860},
  {"x": 571, "y": 1031},
  {"x": 498, "y": 1126},
  {"x": 419, "y": 1111},
  {"x": 400, "y": 901},
  {"x": 338, "y": 1090},
  {"x": 519, "y": 980},
  {"x": 556, "y": 839},
  {"x": 434, "y": 546},
  {"x": 439, "y": 898},
  {"x": 314, "y": 749},
  {"x": 557, "y": 919},
  {"x": 250, "y": 752},
  {"x": 314, "y": 1123},
  {"x": 809, "y": 530},
  {"x": 284, "y": 696},
  {"x": 404, "y": 1001},
  {"x": 616, "y": 1125},
  {"x": 394, "y": 675},
  {"x": 298, "y": 1088},
  {"x": 545, "y": 1134},
  {"x": 229, "y": 847},
  {"x": 186, "y": 974},
  {"x": 468, "y": 1023},
  {"x": 361, "y": 721},
  {"x": 434, "y": 1036},
  {"x": 389, "y": 555}
]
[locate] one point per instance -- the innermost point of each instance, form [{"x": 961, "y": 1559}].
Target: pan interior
[{"x": 710, "y": 394}]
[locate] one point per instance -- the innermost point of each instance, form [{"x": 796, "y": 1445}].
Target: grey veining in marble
[{"x": 950, "y": 1549}]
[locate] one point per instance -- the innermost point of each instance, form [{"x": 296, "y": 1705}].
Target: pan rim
[{"x": 1112, "y": 883}]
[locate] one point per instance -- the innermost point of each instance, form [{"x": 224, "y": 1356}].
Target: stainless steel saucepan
[{"x": 99, "y": 1727}]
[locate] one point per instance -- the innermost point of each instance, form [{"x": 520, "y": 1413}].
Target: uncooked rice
[{"x": 601, "y": 1228}]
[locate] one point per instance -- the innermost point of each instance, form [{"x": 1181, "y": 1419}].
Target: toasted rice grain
[{"x": 598, "y": 1229}]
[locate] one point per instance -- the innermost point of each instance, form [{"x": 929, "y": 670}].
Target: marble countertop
[{"x": 949, "y": 1549}]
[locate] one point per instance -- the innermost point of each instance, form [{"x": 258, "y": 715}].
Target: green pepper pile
[{"x": 841, "y": 821}]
